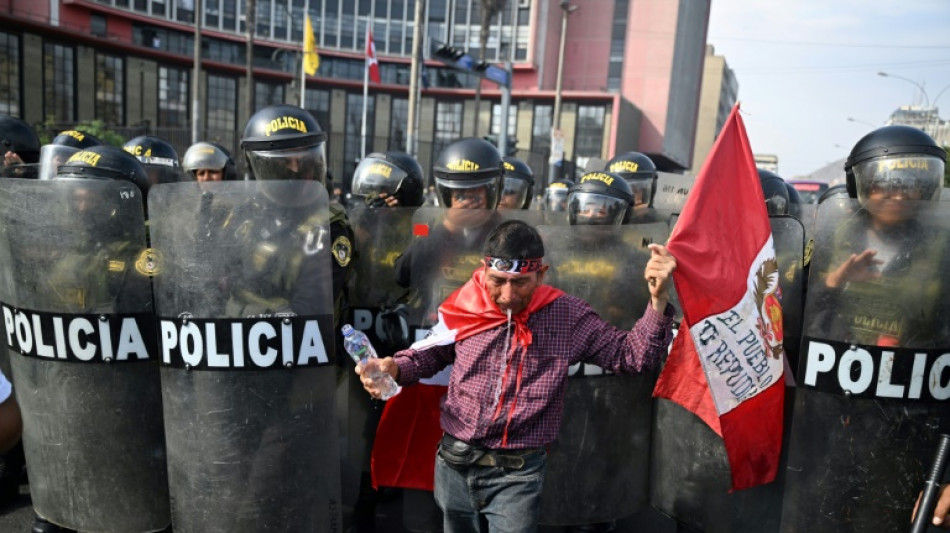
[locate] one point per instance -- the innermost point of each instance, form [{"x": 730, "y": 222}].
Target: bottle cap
[{"x": 347, "y": 329}]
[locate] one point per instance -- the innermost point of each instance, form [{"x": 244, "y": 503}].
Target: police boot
[{"x": 41, "y": 525}]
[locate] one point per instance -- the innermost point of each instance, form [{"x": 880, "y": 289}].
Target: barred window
[
  {"x": 110, "y": 88},
  {"x": 59, "y": 82},
  {"x": 173, "y": 90},
  {"x": 9, "y": 74},
  {"x": 221, "y": 105},
  {"x": 448, "y": 125},
  {"x": 589, "y": 137}
]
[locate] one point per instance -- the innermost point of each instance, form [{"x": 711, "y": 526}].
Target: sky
[{"x": 804, "y": 67}]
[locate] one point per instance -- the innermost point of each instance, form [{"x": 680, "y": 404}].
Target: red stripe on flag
[
  {"x": 684, "y": 382},
  {"x": 752, "y": 433},
  {"x": 406, "y": 439}
]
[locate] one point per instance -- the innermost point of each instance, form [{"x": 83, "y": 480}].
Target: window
[
  {"x": 59, "y": 82},
  {"x": 398, "y": 122},
  {"x": 541, "y": 130},
  {"x": 448, "y": 125},
  {"x": 173, "y": 97},
  {"x": 266, "y": 94},
  {"x": 221, "y": 109},
  {"x": 496, "y": 120},
  {"x": 9, "y": 74},
  {"x": 318, "y": 103},
  {"x": 589, "y": 137},
  {"x": 110, "y": 87},
  {"x": 97, "y": 24}
]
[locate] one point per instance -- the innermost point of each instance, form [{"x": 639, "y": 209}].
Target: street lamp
[
  {"x": 566, "y": 9},
  {"x": 919, "y": 86}
]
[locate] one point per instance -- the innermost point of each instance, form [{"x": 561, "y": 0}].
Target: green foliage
[{"x": 50, "y": 128}]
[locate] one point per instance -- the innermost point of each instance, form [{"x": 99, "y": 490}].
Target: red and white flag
[
  {"x": 726, "y": 364},
  {"x": 371, "y": 64}
]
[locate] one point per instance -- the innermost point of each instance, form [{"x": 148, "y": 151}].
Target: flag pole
[
  {"x": 365, "y": 91},
  {"x": 303, "y": 79}
]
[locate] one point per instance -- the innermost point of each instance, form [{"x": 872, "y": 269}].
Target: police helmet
[
  {"x": 895, "y": 160},
  {"x": 599, "y": 199},
  {"x": 396, "y": 174},
  {"x": 794, "y": 201},
  {"x": 555, "y": 196},
  {"x": 469, "y": 171},
  {"x": 65, "y": 144},
  {"x": 835, "y": 192},
  {"x": 157, "y": 156},
  {"x": 105, "y": 162},
  {"x": 205, "y": 155},
  {"x": 775, "y": 192},
  {"x": 285, "y": 142},
  {"x": 517, "y": 184},
  {"x": 18, "y": 136},
  {"x": 640, "y": 173}
]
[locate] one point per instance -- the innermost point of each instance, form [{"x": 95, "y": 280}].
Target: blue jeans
[{"x": 491, "y": 499}]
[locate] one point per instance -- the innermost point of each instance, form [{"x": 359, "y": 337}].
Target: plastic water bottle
[{"x": 360, "y": 349}]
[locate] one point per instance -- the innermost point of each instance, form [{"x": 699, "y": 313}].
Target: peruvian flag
[
  {"x": 726, "y": 364},
  {"x": 371, "y": 64}
]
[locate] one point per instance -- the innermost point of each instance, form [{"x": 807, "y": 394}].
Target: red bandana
[{"x": 470, "y": 310}]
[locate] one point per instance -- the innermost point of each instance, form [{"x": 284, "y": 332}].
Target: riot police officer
[
  {"x": 389, "y": 178},
  {"x": 20, "y": 147},
  {"x": 876, "y": 306},
  {"x": 518, "y": 184},
  {"x": 158, "y": 157},
  {"x": 776, "y": 193},
  {"x": 599, "y": 198},
  {"x": 555, "y": 195},
  {"x": 207, "y": 161},
  {"x": 65, "y": 144},
  {"x": 93, "y": 262},
  {"x": 639, "y": 171}
]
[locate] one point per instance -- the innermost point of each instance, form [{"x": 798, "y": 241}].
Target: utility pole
[
  {"x": 196, "y": 78},
  {"x": 414, "y": 78},
  {"x": 250, "y": 23}
]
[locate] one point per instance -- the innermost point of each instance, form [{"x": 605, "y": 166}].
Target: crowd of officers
[{"x": 285, "y": 142}]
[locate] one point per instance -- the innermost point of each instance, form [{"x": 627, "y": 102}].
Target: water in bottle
[{"x": 360, "y": 349}]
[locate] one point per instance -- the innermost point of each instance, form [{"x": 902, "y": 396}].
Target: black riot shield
[
  {"x": 246, "y": 346},
  {"x": 79, "y": 326},
  {"x": 599, "y": 465},
  {"x": 691, "y": 474},
  {"x": 872, "y": 375}
]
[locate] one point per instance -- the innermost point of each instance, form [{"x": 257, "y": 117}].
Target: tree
[
  {"x": 489, "y": 8},
  {"x": 50, "y": 128}
]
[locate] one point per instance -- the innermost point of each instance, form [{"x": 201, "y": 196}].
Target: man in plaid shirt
[{"x": 511, "y": 340}]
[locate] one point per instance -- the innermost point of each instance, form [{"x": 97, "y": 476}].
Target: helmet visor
[
  {"x": 555, "y": 199},
  {"x": 295, "y": 164},
  {"x": 514, "y": 193},
  {"x": 642, "y": 190},
  {"x": 469, "y": 193},
  {"x": 52, "y": 156},
  {"x": 374, "y": 176},
  {"x": 908, "y": 177},
  {"x": 777, "y": 205},
  {"x": 592, "y": 209}
]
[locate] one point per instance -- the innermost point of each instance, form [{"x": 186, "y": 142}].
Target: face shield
[
  {"x": 308, "y": 163},
  {"x": 592, "y": 209},
  {"x": 468, "y": 194},
  {"x": 777, "y": 205},
  {"x": 555, "y": 199},
  {"x": 52, "y": 156},
  {"x": 374, "y": 176},
  {"x": 514, "y": 193},
  {"x": 899, "y": 177},
  {"x": 642, "y": 189},
  {"x": 162, "y": 173}
]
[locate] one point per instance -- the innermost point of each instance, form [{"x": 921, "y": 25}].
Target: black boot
[{"x": 41, "y": 525}]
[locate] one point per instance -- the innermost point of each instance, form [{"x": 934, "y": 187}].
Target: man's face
[
  {"x": 512, "y": 291},
  {"x": 473, "y": 198},
  {"x": 209, "y": 174},
  {"x": 891, "y": 203}
]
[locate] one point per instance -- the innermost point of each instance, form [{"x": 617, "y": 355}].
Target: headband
[{"x": 513, "y": 266}]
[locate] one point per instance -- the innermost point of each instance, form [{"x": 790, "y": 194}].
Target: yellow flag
[{"x": 311, "y": 60}]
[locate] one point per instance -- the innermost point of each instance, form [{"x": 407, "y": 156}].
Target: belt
[{"x": 513, "y": 459}]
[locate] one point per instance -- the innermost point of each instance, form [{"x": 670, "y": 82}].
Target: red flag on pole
[
  {"x": 371, "y": 62},
  {"x": 726, "y": 362}
]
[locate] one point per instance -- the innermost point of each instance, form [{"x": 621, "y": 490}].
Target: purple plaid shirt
[{"x": 565, "y": 332}]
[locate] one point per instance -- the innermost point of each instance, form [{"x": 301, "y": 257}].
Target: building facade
[
  {"x": 632, "y": 71},
  {"x": 720, "y": 92}
]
